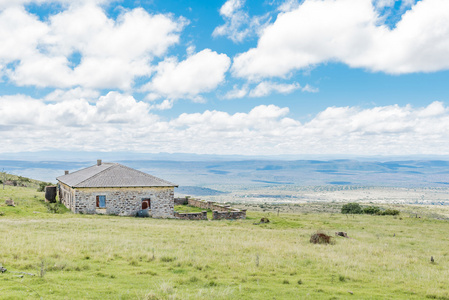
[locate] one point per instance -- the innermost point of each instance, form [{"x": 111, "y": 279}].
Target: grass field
[{"x": 109, "y": 257}]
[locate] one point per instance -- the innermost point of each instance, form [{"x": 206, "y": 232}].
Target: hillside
[{"x": 98, "y": 257}]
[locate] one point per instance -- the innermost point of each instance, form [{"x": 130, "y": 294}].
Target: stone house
[{"x": 111, "y": 188}]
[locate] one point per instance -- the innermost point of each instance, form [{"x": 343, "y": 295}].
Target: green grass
[{"x": 109, "y": 257}]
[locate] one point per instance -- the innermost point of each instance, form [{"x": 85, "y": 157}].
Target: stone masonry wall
[
  {"x": 123, "y": 201},
  {"x": 219, "y": 211},
  {"x": 229, "y": 215},
  {"x": 191, "y": 216},
  {"x": 199, "y": 203}
]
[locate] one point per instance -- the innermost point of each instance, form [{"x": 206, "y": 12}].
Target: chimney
[
  {"x": 66, "y": 172},
  {"x": 98, "y": 162}
]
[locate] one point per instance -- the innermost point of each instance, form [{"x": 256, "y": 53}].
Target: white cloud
[
  {"x": 20, "y": 34},
  {"x": 288, "y": 5},
  {"x": 238, "y": 24},
  {"x": 198, "y": 73},
  {"x": 118, "y": 122},
  {"x": 310, "y": 89},
  {"x": 237, "y": 92},
  {"x": 266, "y": 88},
  {"x": 112, "y": 108},
  {"x": 164, "y": 105},
  {"x": 111, "y": 53},
  {"x": 383, "y": 3},
  {"x": 76, "y": 93},
  {"x": 351, "y": 32},
  {"x": 17, "y": 3}
]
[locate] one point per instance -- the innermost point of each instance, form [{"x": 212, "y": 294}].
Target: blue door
[{"x": 102, "y": 200}]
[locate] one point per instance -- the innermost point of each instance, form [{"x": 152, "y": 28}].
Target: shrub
[
  {"x": 55, "y": 208},
  {"x": 320, "y": 238},
  {"x": 351, "y": 208},
  {"x": 42, "y": 186},
  {"x": 24, "y": 179},
  {"x": 390, "y": 212},
  {"x": 372, "y": 210}
]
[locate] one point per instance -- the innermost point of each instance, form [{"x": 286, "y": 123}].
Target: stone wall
[
  {"x": 191, "y": 216},
  {"x": 219, "y": 211},
  {"x": 120, "y": 201},
  {"x": 229, "y": 215},
  {"x": 199, "y": 203}
]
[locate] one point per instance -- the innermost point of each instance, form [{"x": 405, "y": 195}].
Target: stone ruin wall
[
  {"x": 228, "y": 215},
  {"x": 219, "y": 211},
  {"x": 191, "y": 216}
]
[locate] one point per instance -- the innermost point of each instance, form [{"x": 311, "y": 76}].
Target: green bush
[
  {"x": 390, "y": 212},
  {"x": 42, "y": 186},
  {"x": 351, "y": 208},
  {"x": 355, "y": 208},
  {"x": 55, "y": 208},
  {"x": 372, "y": 210}
]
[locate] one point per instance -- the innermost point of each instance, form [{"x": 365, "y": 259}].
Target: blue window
[{"x": 101, "y": 201}]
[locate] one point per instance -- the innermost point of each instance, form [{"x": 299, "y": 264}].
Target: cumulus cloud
[
  {"x": 164, "y": 105},
  {"x": 288, "y": 5},
  {"x": 119, "y": 122},
  {"x": 310, "y": 89},
  {"x": 351, "y": 32},
  {"x": 238, "y": 24},
  {"x": 109, "y": 53},
  {"x": 18, "y": 3},
  {"x": 72, "y": 94},
  {"x": 265, "y": 88},
  {"x": 198, "y": 73},
  {"x": 237, "y": 92}
]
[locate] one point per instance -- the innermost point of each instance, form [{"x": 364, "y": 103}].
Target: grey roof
[{"x": 112, "y": 175}]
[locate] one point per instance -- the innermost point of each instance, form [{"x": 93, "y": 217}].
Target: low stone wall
[
  {"x": 191, "y": 216},
  {"x": 209, "y": 205},
  {"x": 199, "y": 203},
  {"x": 229, "y": 215},
  {"x": 219, "y": 211}
]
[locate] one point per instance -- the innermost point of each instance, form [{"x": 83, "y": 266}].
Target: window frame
[
  {"x": 147, "y": 200},
  {"x": 98, "y": 201}
]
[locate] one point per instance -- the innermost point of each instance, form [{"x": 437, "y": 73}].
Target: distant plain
[{"x": 411, "y": 181}]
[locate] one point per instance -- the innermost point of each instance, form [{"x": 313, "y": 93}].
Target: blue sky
[{"x": 360, "y": 77}]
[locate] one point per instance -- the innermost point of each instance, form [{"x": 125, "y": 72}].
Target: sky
[{"x": 236, "y": 77}]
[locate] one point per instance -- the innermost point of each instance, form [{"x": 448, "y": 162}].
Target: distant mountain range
[{"x": 210, "y": 173}]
